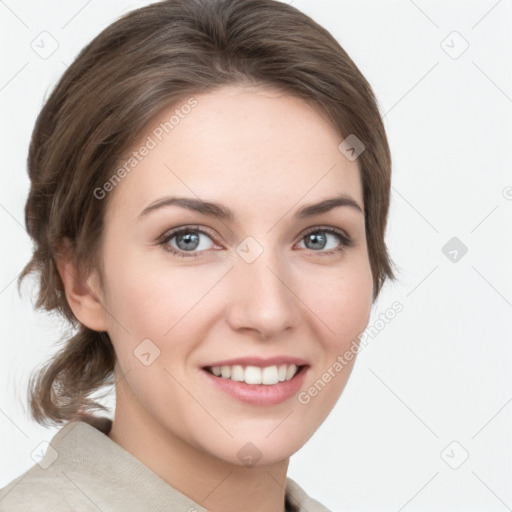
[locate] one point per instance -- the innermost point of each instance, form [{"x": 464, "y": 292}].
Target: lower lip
[{"x": 260, "y": 394}]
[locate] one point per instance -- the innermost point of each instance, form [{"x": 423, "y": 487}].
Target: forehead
[{"x": 242, "y": 146}]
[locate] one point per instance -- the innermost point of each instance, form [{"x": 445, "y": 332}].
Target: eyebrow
[{"x": 219, "y": 211}]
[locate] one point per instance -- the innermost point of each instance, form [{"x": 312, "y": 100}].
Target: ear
[{"x": 84, "y": 298}]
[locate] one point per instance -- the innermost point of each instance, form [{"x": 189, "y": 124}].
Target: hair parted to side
[{"x": 148, "y": 60}]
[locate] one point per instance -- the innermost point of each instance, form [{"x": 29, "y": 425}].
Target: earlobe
[{"x": 83, "y": 298}]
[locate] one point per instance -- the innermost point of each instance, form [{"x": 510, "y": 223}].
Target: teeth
[
  {"x": 237, "y": 373},
  {"x": 225, "y": 372},
  {"x": 282, "y": 373},
  {"x": 252, "y": 375},
  {"x": 268, "y": 375},
  {"x": 290, "y": 372}
]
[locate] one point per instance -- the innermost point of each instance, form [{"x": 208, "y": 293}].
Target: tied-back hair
[{"x": 148, "y": 60}]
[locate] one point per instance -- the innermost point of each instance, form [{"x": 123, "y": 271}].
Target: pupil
[
  {"x": 318, "y": 239},
  {"x": 188, "y": 238}
]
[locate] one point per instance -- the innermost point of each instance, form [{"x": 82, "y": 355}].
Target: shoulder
[
  {"x": 36, "y": 490},
  {"x": 51, "y": 483},
  {"x": 299, "y": 498}
]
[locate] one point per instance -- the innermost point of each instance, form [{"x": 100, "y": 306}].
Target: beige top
[{"x": 83, "y": 470}]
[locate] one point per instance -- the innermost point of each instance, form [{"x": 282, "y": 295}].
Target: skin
[{"x": 263, "y": 154}]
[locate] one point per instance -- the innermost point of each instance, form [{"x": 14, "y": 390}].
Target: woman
[{"x": 209, "y": 195}]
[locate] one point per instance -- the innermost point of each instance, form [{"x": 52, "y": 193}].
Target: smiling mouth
[{"x": 268, "y": 375}]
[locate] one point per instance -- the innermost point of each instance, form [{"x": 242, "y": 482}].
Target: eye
[
  {"x": 189, "y": 241},
  {"x": 185, "y": 240},
  {"x": 318, "y": 239}
]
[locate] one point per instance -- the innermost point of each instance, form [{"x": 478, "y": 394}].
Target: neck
[{"x": 213, "y": 483}]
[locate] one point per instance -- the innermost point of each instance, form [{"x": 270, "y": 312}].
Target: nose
[{"x": 262, "y": 296}]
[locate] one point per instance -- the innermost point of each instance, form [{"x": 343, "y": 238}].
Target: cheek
[
  {"x": 342, "y": 306},
  {"x": 148, "y": 298},
  {"x": 342, "y": 302}
]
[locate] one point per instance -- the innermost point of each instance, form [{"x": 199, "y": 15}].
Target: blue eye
[
  {"x": 188, "y": 239},
  {"x": 318, "y": 240}
]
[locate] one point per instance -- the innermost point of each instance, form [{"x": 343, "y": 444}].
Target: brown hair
[{"x": 146, "y": 61}]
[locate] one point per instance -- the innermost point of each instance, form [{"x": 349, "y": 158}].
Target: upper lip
[{"x": 259, "y": 361}]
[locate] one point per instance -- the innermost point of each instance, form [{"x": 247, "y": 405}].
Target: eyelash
[{"x": 344, "y": 239}]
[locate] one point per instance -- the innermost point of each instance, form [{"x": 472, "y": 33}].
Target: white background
[{"x": 440, "y": 371}]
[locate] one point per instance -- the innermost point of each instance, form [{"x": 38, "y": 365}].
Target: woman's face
[{"x": 265, "y": 282}]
